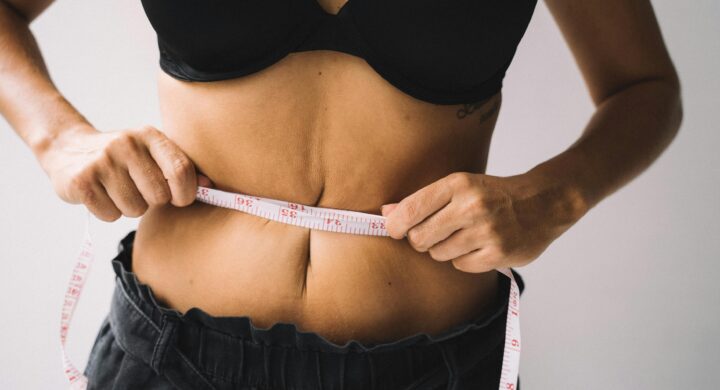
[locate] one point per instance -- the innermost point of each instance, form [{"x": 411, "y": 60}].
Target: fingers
[
  {"x": 85, "y": 187},
  {"x": 123, "y": 192},
  {"x": 123, "y": 173},
  {"x": 437, "y": 227},
  {"x": 477, "y": 261},
  {"x": 459, "y": 243},
  {"x": 174, "y": 164},
  {"x": 97, "y": 201},
  {"x": 387, "y": 208},
  {"x": 149, "y": 180},
  {"x": 416, "y": 207}
]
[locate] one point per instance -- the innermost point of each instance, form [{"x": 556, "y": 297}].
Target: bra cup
[
  {"x": 448, "y": 46},
  {"x": 227, "y": 35},
  {"x": 439, "y": 51}
]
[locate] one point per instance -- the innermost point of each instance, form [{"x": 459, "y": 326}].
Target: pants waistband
[{"x": 195, "y": 350}]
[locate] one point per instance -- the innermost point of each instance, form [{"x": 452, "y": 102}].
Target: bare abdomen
[{"x": 318, "y": 128}]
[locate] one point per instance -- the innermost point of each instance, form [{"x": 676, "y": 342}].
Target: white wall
[{"x": 626, "y": 299}]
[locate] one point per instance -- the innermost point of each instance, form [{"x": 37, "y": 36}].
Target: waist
[
  {"x": 342, "y": 286},
  {"x": 319, "y": 146}
]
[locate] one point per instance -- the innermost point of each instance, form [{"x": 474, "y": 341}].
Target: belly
[{"x": 319, "y": 128}]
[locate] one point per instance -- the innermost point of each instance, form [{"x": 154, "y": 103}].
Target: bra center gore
[{"x": 325, "y": 12}]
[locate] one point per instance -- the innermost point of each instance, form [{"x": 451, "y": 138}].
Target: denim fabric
[{"x": 144, "y": 345}]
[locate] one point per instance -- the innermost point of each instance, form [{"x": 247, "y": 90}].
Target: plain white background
[{"x": 626, "y": 299}]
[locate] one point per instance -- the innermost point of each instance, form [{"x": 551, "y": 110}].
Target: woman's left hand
[{"x": 482, "y": 222}]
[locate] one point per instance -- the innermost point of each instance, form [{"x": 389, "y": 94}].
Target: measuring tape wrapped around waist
[{"x": 318, "y": 218}]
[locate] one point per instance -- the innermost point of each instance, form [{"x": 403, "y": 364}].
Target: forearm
[
  {"x": 627, "y": 132},
  {"x": 29, "y": 100}
]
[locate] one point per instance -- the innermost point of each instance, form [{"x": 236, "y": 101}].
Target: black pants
[{"x": 144, "y": 345}]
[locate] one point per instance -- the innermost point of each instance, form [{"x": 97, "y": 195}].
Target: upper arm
[
  {"x": 615, "y": 43},
  {"x": 29, "y": 9}
]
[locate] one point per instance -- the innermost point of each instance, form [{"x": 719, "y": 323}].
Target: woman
[{"x": 341, "y": 105}]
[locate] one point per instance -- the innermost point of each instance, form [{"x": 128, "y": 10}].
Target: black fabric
[
  {"x": 144, "y": 345},
  {"x": 443, "y": 52}
]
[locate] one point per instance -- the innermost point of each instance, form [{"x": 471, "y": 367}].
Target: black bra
[{"x": 439, "y": 51}]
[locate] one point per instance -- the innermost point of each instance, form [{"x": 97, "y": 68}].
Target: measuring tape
[{"x": 318, "y": 218}]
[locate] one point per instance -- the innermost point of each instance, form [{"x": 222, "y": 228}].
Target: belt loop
[{"x": 168, "y": 328}]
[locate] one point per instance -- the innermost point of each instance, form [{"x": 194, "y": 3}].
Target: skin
[{"x": 451, "y": 225}]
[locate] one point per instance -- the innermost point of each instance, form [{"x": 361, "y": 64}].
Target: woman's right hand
[{"x": 120, "y": 172}]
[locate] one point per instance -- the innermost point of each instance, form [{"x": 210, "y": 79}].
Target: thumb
[
  {"x": 386, "y": 209},
  {"x": 204, "y": 181}
]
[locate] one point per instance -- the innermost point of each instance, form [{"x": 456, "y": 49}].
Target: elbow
[
  {"x": 25, "y": 14},
  {"x": 669, "y": 93},
  {"x": 12, "y": 11},
  {"x": 676, "y": 103},
  {"x": 666, "y": 91}
]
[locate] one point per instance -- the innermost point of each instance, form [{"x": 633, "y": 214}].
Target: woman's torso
[{"x": 319, "y": 128}]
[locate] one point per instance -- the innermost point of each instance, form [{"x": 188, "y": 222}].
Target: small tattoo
[{"x": 469, "y": 108}]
